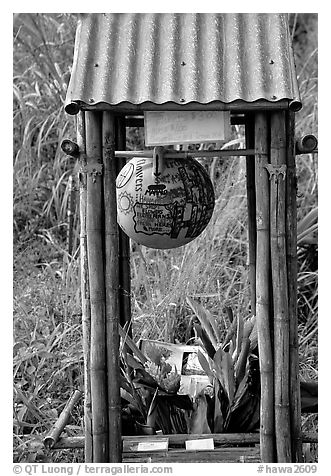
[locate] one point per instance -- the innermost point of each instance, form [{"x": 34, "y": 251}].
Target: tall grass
[
  {"x": 304, "y": 34},
  {"x": 47, "y": 350},
  {"x": 212, "y": 268},
  {"x": 47, "y": 354},
  {"x": 43, "y": 47}
]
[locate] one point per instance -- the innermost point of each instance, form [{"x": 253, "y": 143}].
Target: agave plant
[
  {"x": 307, "y": 228},
  {"x": 233, "y": 370}
]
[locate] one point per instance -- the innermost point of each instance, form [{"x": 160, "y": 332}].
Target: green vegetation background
[{"x": 47, "y": 331}]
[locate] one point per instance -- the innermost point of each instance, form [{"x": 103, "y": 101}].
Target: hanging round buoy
[{"x": 164, "y": 203}]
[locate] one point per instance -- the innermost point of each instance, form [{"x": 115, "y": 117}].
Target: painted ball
[{"x": 166, "y": 206}]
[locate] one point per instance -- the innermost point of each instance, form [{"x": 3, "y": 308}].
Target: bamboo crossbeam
[
  {"x": 279, "y": 283},
  {"x": 262, "y": 290},
  {"x": 70, "y": 148},
  {"x": 292, "y": 279},
  {"x": 186, "y": 154},
  {"x": 305, "y": 144},
  {"x": 251, "y": 211},
  {"x": 138, "y": 121},
  {"x": 237, "y": 106},
  {"x": 179, "y": 440},
  {"x": 85, "y": 290},
  {"x": 134, "y": 121},
  {"x": 53, "y": 436},
  {"x": 111, "y": 287},
  {"x": 95, "y": 246}
]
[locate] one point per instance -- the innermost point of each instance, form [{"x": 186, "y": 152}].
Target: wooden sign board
[
  {"x": 151, "y": 444},
  {"x": 186, "y": 127},
  {"x": 200, "y": 444}
]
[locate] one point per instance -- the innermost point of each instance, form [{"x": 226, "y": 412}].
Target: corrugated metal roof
[{"x": 126, "y": 60}]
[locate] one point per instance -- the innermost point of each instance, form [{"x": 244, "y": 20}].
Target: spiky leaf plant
[
  {"x": 232, "y": 367},
  {"x": 149, "y": 393}
]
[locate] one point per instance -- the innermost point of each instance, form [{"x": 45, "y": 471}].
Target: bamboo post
[
  {"x": 112, "y": 287},
  {"x": 53, "y": 436},
  {"x": 72, "y": 150},
  {"x": 279, "y": 282},
  {"x": 85, "y": 291},
  {"x": 124, "y": 241},
  {"x": 251, "y": 210},
  {"x": 95, "y": 243},
  {"x": 291, "y": 250},
  {"x": 70, "y": 214},
  {"x": 262, "y": 290}
]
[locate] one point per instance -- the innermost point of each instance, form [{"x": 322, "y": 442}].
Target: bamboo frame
[
  {"x": 94, "y": 229},
  {"x": 176, "y": 440},
  {"x": 291, "y": 251},
  {"x": 306, "y": 144},
  {"x": 237, "y": 106},
  {"x": 187, "y": 154},
  {"x": 280, "y": 290},
  {"x": 251, "y": 211},
  {"x": 138, "y": 121},
  {"x": 262, "y": 290},
  {"x": 71, "y": 213},
  {"x": 106, "y": 283},
  {"x": 124, "y": 241},
  {"x": 69, "y": 147},
  {"x": 85, "y": 290},
  {"x": 112, "y": 287}
]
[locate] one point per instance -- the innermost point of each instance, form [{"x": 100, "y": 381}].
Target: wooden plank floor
[{"x": 218, "y": 455}]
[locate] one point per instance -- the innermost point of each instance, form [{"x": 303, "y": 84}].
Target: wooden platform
[
  {"x": 228, "y": 448},
  {"x": 218, "y": 455},
  {"x": 172, "y": 449}
]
